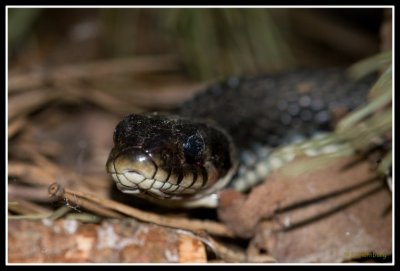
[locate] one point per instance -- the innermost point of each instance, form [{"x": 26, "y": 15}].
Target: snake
[{"x": 224, "y": 136}]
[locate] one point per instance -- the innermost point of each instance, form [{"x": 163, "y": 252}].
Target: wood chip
[{"x": 191, "y": 250}]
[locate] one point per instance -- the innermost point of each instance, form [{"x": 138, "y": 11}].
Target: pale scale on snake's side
[{"x": 223, "y": 137}]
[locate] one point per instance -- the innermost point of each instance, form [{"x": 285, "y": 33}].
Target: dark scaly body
[
  {"x": 258, "y": 113},
  {"x": 271, "y": 110}
]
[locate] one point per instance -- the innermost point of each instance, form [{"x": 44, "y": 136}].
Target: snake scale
[{"x": 224, "y": 136}]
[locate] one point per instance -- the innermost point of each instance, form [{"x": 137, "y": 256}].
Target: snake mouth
[{"x": 136, "y": 172}]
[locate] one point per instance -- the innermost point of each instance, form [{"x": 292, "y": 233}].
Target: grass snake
[{"x": 224, "y": 136}]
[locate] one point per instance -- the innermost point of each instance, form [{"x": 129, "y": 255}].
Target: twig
[
  {"x": 24, "y": 207},
  {"x": 15, "y": 126},
  {"x": 94, "y": 69},
  {"x": 60, "y": 212},
  {"x": 29, "y": 217},
  {"x": 84, "y": 217},
  {"x": 38, "y": 193},
  {"x": 20, "y": 105},
  {"x": 228, "y": 254},
  {"x": 74, "y": 202},
  {"x": 100, "y": 98},
  {"x": 30, "y": 173},
  {"x": 45, "y": 173},
  {"x": 222, "y": 251},
  {"x": 88, "y": 205},
  {"x": 175, "y": 222}
]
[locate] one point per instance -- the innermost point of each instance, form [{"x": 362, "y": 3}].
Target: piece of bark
[
  {"x": 191, "y": 250},
  {"x": 331, "y": 214},
  {"x": 67, "y": 241}
]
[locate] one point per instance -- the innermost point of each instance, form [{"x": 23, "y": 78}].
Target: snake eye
[{"x": 193, "y": 148}]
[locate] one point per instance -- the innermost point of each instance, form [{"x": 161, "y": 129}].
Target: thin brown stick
[
  {"x": 24, "y": 207},
  {"x": 228, "y": 253},
  {"x": 37, "y": 193},
  {"x": 78, "y": 202},
  {"x": 22, "y": 104},
  {"x": 94, "y": 69},
  {"x": 46, "y": 172},
  {"x": 21, "y": 194},
  {"x": 15, "y": 126},
  {"x": 100, "y": 98},
  {"x": 175, "y": 222},
  {"x": 30, "y": 173}
]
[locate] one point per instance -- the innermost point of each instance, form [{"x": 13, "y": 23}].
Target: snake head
[{"x": 162, "y": 156}]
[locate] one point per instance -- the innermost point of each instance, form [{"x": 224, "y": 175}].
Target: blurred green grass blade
[
  {"x": 383, "y": 83},
  {"x": 349, "y": 122},
  {"x": 370, "y": 64},
  {"x": 370, "y": 131},
  {"x": 222, "y": 42},
  {"x": 370, "y": 124},
  {"x": 386, "y": 163},
  {"x": 20, "y": 22}
]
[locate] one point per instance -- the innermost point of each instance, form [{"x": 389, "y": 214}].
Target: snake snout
[{"x": 132, "y": 170}]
